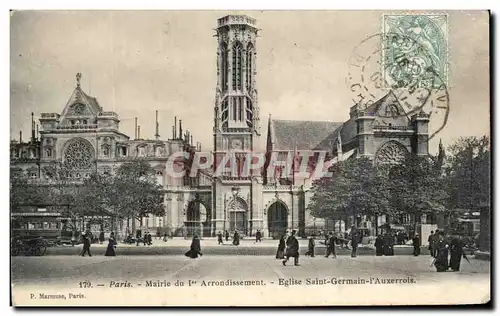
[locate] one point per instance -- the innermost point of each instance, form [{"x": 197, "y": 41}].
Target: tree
[
  {"x": 356, "y": 188},
  {"x": 416, "y": 187}
]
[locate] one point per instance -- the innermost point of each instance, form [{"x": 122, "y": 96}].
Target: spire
[
  {"x": 339, "y": 146},
  {"x": 78, "y": 78},
  {"x": 441, "y": 155}
]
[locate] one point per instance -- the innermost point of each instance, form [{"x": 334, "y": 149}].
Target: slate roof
[
  {"x": 286, "y": 134},
  {"x": 92, "y": 101}
]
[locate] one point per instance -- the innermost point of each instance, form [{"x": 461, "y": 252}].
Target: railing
[
  {"x": 77, "y": 127},
  {"x": 393, "y": 127},
  {"x": 50, "y": 115},
  {"x": 108, "y": 113},
  {"x": 281, "y": 187}
]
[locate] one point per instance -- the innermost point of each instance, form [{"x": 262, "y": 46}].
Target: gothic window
[
  {"x": 224, "y": 66},
  {"x": 142, "y": 151},
  {"x": 105, "y": 151},
  {"x": 78, "y": 154},
  {"x": 249, "y": 66},
  {"x": 391, "y": 153},
  {"x": 391, "y": 110},
  {"x": 237, "y": 66},
  {"x": 124, "y": 151},
  {"x": 48, "y": 153}
]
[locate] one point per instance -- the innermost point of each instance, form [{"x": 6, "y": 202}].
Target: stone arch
[
  {"x": 390, "y": 153},
  {"x": 237, "y": 214},
  {"x": 197, "y": 218},
  {"x": 78, "y": 153},
  {"x": 277, "y": 218}
]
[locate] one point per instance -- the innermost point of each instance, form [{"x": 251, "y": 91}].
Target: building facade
[{"x": 88, "y": 139}]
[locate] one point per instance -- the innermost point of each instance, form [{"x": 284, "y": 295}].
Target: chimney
[
  {"x": 135, "y": 131},
  {"x": 175, "y": 128},
  {"x": 180, "y": 129},
  {"x": 20, "y": 137},
  {"x": 191, "y": 143},
  {"x": 32, "y": 127},
  {"x": 157, "y": 135},
  {"x": 37, "y": 132},
  {"x": 138, "y": 132},
  {"x": 173, "y": 132}
]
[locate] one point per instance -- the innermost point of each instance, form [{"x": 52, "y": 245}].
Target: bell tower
[
  {"x": 236, "y": 121},
  {"x": 236, "y": 127}
]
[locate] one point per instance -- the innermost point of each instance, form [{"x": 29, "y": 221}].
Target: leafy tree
[{"x": 416, "y": 187}]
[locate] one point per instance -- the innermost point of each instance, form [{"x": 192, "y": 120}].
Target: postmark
[{"x": 422, "y": 90}]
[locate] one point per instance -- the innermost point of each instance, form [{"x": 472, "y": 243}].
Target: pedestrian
[
  {"x": 441, "y": 260},
  {"x": 138, "y": 237},
  {"x": 236, "y": 238},
  {"x": 292, "y": 250},
  {"x": 86, "y": 244},
  {"x": 431, "y": 240},
  {"x": 226, "y": 233},
  {"x": 195, "y": 248},
  {"x": 258, "y": 236},
  {"x": 165, "y": 238},
  {"x": 310, "y": 246},
  {"x": 330, "y": 246},
  {"x": 219, "y": 238},
  {"x": 379, "y": 245},
  {"x": 416, "y": 245},
  {"x": 110, "y": 250},
  {"x": 101, "y": 237},
  {"x": 145, "y": 238},
  {"x": 456, "y": 254},
  {"x": 150, "y": 239},
  {"x": 280, "y": 253},
  {"x": 354, "y": 243}
]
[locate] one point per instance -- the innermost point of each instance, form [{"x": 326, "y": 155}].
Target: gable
[
  {"x": 80, "y": 105},
  {"x": 388, "y": 111}
]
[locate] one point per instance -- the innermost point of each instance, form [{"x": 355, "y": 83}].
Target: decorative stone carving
[
  {"x": 237, "y": 204},
  {"x": 78, "y": 154},
  {"x": 391, "y": 153}
]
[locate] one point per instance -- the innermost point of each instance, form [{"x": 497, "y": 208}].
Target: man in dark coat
[
  {"x": 226, "y": 233},
  {"x": 441, "y": 260},
  {"x": 87, "y": 237},
  {"x": 456, "y": 253},
  {"x": 258, "y": 236},
  {"x": 354, "y": 243},
  {"x": 379, "y": 244},
  {"x": 292, "y": 245},
  {"x": 195, "y": 248},
  {"x": 137, "y": 237},
  {"x": 330, "y": 245},
  {"x": 219, "y": 238},
  {"x": 236, "y": 238},
  {"x": 310, "y": 246},
  {"x": 416, "y": 245},
  {"x": 432, "y": 240}
]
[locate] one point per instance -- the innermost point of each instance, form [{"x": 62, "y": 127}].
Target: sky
[{"x": 137, "y": 62}]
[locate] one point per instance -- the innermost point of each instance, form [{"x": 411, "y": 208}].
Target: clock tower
[{"x": 236, "y": 119}]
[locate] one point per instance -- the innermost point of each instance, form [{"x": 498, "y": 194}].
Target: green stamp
[{"x": 415, "y": 50}]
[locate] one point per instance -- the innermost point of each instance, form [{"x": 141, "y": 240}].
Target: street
[{"x": 105, "y": 274}]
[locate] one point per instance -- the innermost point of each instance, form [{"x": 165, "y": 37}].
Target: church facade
[{"x": 88, "y": 139}]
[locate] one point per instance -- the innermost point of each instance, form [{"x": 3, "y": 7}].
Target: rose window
[
  {"x": 391, "y": 153},
  {"x": 79, "y": 154}
]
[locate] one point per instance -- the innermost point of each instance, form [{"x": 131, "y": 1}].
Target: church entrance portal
[
  {"x": 277, "y": 219},
  {"x": 197, "y": 221}
]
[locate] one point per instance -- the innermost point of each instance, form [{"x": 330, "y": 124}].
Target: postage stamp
[{"x": 415, "y": 50}]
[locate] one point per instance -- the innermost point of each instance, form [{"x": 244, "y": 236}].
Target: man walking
[
  {"x": 227, "y": 235},
  {"x": 416, "y": 245},
  {"x": 354, "y": 242},
  {"x": 330, "y": 246},
  {"x": 432, "y": 243},
  {"x": 292, "y": 245},
  {"x": 86, "y": 244},
  {"x": 219, "y": 238},
  {"x": 258, "y": 236}
]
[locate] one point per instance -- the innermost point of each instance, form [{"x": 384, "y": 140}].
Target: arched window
[
  {"x": 225, "y": 112},
  {"x": 249, "y": 113},
  {"x": 249, "y": 66},
  {"x": 391, "y": 110},
  {"x": 237, "y": 66},
  {"x": 224, "y": 66}
]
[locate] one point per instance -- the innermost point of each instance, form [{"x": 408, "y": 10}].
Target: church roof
[{"x": 287, "y": 134}]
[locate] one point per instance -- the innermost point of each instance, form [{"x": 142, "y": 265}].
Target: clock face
[{"x": 236, "y": 144}]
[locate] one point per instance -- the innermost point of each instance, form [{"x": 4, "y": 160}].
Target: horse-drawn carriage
[{"x": 28, "y": 246}]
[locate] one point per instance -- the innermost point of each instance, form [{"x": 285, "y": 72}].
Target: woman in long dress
[
  {"x": 441, "y": 261},
  {"x": 280, "y": 253},
  {"x": 110, "y": 250},
  {"x": 456, "y": 254},
  {"x": 236, "y": 238},
  {"x": 195, "y": 248}
]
